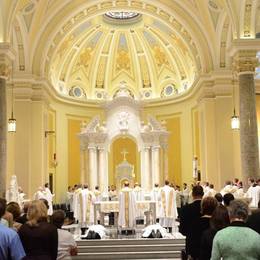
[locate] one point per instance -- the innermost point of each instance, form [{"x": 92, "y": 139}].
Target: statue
[
  {"x": 123, "y": 118},
  {"x": 12, "y": 194}
]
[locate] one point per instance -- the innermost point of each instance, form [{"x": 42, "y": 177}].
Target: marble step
[
  {"x": 131, "y": 248},
  {"x": 129, "y": 255},
  {"x": 143, "y": 241}
]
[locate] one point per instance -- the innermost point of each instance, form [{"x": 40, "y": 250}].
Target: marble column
[
  {"x": 82, "y": 166},
  {"x": 248, "y": 127},
  {"x": 103, "y": 169},
  {"x": 3, "y": 137},
  {"x": 93, "y": 174},
  {"x": 155, "y": 165},
  {"x": 146, "y": 181},
  {"x": 165, "y": 163},
  {"x": 246, "y": 62}
]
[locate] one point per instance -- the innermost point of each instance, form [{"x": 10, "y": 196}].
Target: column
[
  {"x": 155, "y": 165},
  {"x": 93, "y": 178},
  {"x": 246, "y": 62},
  {"x": 146, "y": 177},
  {"x": 82, "y": 166},
  {"x": 3, "y": 137},
  {"x": 165, "y": 162},
  {"x": 103, "y": 169}
]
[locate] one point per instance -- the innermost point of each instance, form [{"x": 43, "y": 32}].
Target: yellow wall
[
  {"x": 116, "y": 157},
  {"x": 174, "y": 150},
  {"x": 74, "y": 152}
]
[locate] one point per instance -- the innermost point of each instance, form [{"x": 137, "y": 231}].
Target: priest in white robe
[
  {"x": 86, "y": 205},
  {"x": 155, "y": 194},
  {"x": 127, "y": 207},
  {"x": 168, "y": 211},
  {"x": 227, "y": 189},
  {"x": 76, "y": 206},
  {"x": 139, "y": 196},
  {"x": 49, "y": 198},
  {"x": 253, "y": 193}
]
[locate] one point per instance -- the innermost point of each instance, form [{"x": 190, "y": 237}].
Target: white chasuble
[
  {"x": 76, "y": 206},
  {"x": 86, "y": 203},
  {"x": 49, "y": 198},
  {"x": 155, "y": 194},
  {"x": 168, "y": 209},
  {"x": 139, "y": 196},
  {"x": 254, "y": 194},
  {"x": 127, "y": 208}
]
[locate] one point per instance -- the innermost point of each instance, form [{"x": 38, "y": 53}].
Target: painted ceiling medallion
[{"x": 121, "y": 15}]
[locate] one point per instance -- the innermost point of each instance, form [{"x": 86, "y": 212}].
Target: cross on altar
[{"x": 124, "y": 152}]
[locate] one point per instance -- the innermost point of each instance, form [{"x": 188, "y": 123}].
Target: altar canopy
[{"x": 123, "y": 118}]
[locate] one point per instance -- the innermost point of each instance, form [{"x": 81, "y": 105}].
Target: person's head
[
  {"x": 37, "y": 211},
  {"x": 126, "y": 184},
  {"x": 58, "y": 218},
  {"x": 208, "y": 205},
  {"x": 46, "y": 185},
  {"x": 69, "y": 188},
  {"x": 251, "y": 181},
  {"x": 240, "y": 184},
  {"x": 228, "y": 182},
  {"x": 14, "y": 209},
  {"x": 25, "y": 207},
  {"x": 156, "y": 185},
  {"x": 236, "y": 180},
  {"x": 184, "y": 185},
  {"x": 45, "y": 202},
  {"x": 97, "y": 187},
  {"x": 85, "y": 186},
  {"x": 2, "y": 207},
  {"x": 136, "y": 184},
  {"x": 166, "y": 182},
  {"x": 178, "y": 187},
  {"x": 197, "y": 192},
  {"x": 219, "y": 197},
  {"x": 220, "y": 218},
  {"x": 211, "y": 186},
  {"x": 227, "y": 198},
  {"x": 238, "y": 210}
]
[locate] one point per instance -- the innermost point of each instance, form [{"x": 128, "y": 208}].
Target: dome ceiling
[{"x": 116, "y": 48}]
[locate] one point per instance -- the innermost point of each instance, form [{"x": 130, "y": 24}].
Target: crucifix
[{"x": 124, "y": 152}]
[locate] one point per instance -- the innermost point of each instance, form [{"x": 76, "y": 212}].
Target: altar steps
[{"x": 123, "y": 249}]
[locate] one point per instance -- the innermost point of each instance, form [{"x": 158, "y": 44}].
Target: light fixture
[
  {"x": 11, "y": 127},
  {"x": 48, "y": 132},
  {"x": 235, "y": 123}
]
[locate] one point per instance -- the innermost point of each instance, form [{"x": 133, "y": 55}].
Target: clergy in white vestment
[
  {"x": 253, "y": 193},
  {"x": 127, "y": 207},
  {"x": 139, "y": 196},
  {"x": 211, "y": 192},
  {"x": 12, "y": 194},
  {"x": 69, "y": 198},
  {"x": 40, "y": 194},
  {"x": 155, "y": 193},
  {"x": 168, "y": 209},
  {"x": 49, "y": 198},
  {"x": 76, "y": 206},
  {"x": 227, "y": 189},
  {"x": 97, "y": 194},
  {"x": 239, "y": 193},
  {"x": 86, "y": 205}
]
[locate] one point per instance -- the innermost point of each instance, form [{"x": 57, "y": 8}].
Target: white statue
[
  {"x": 123, "y": 118},
  {"x": 12, "y": 194}
]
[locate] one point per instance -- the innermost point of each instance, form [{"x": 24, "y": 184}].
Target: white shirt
[{"x": 65, "y": 242}]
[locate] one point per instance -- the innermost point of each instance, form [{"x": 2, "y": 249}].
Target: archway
[{"x": 116, "y": 156}]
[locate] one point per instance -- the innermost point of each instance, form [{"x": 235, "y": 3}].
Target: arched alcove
[{"x": 116, "y": 156}]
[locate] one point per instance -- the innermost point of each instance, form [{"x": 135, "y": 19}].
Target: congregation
[{"x": 224, "y": 224}]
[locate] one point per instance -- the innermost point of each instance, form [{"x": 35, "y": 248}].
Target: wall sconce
[
  {"x": 11, "y": 125},
  {"x": 235, "y": 123},
  {"x": 48, "y": 132}
]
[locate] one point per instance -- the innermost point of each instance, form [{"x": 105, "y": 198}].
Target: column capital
[{"x": 245, "y": 61}]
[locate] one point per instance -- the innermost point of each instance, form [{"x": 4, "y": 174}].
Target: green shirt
[{"x": 236, "y": 243}]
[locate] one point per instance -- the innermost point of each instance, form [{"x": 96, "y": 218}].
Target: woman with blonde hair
[{"x": 39, "y": 238}]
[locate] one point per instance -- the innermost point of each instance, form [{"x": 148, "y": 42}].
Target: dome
[{"x": 119, "y": 47}]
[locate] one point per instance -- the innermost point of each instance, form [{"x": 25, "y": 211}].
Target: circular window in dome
[
  {"x": 121, "y": 15},
  {"x": 168, "y": 90},
  {"x": 77, "y": 92}
]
